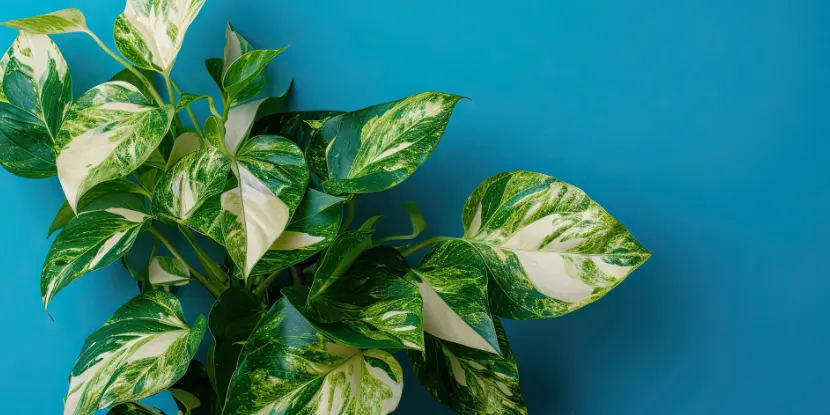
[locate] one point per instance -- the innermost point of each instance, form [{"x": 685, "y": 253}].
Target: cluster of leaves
[{"x": 276, "y": 190}]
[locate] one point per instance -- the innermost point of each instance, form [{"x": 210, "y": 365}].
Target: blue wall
[{"x": 701, "y": 125}]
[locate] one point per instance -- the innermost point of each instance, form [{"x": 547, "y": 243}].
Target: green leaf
[
  {"x": 245, "y": 71},
  {"x": 185, "y": 144},
  {"x": 376, "y": 148},
  {"x": 235, "y": 46},
  {"x": 186, "y": 100},
  {"x": 193, "y": 392},
  {"x": 344, "y": 250},
  {"x": 373, "y": 298},
  {"x": 214, "y": 67},
  {"x": 150, "y": 32},
  {"x": 168, "y": 271},
  {"x": 110, "y": 131},
  {"x": 470, "y": 381},
  {"x": 143, "y": 349},
  {"x": 241, "y": 119},
  {"x": 215, "y": 132},
  {"x": 289, "y": 367},
  {"x": 134, "y": 408},
  {"x": 61, "y": 21},
  {"x": 129, "y": 77},
  {"x": 312, "y": 228},
  {"x": 453, "y": 284},
  {"x": 193, "y": 180},
  {"x": 549, "y": 248},
  {"x": 89, "y": 242},
  {"x": 119, "y": 193},
  {"x": 37, "y": 93},
  {"x": 232, "y": 319},
  {"x": 248, "y": 219}
]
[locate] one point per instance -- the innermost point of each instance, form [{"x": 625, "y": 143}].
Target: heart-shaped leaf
[
  {"x": 168, "y": 271},
  {"x": 36, "y": 95},
  {"x": 119, "y": 193},
  {"x": 61, "y": 21},
  {"x": 376, "y": 148},
  {"x": 470, "y": 381},
  {"x": 243, "y": 76},
  {"x": 143, "y": 349},
  {"x": 549, "y": 248},
  {"x": 288, "y": 366},
  {"x": 150, "y": 32},
  {"x": 110, "y": 131},
  {"x": 193, "y": 180}
]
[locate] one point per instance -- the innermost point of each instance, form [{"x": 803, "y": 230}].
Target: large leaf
[
  {"x": 193, "y": 392},
  {"x": 372, "y": 297},
  {"x": 312, "y": 228},
  {"x": 548, "y": 247},
  {"x": 248, "y": 219},
  {"x": 376, "y": 148},
  {"x": 289, "y": 367},
  {"x": 196, "y": 178},
  {"x": 61, "y": 21},
  {"x": 150, "y": 32},
  {"x": 470, "y": 381},
  {"x": 37, "y": 94},
  {"x": 89, "y": 242},
  {"x": 143, "y": 349},
  {"x": 244, "y": 74},
  {"x": 135, "y": 408},
  {"x": 168, "y": 271},
  {"x": 453, "y": 284},
  {"x": 119, "y": 193},
  {"x": 110, "y": 131}
]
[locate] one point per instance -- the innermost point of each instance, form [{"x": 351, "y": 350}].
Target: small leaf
[
  {"x": 168, "y": 271},
  {"x": 61, "y": 21},
  {"x": 110, "y": 131},
  {"x": 150, "y": 32},
  {"x": 469, "y": 381},
  {"x": 193, "y": 180},
  {"x": 214, "y": 67},
  {"x": 89, "y": 242},
  {"x": 549, "y": 249},
  {"x": 345, "y": 249},
  {"x": 186, "y": 100},
  {"x": 135, "y": 408},
  {"x": 185, "y": 144},
  {"x": 143, "y": 349},
  {"x": 235, "y": 46},
  {"x": 215, "y": 133},
  {"x": 193, "y": 392},
  {"x": 419, "y": 224},
  {"x": 288, "y": 366},
  {"x": 245, "y": 70},
  {"x": 376, "y": 148},
  {"x": 119, "y": 193}
]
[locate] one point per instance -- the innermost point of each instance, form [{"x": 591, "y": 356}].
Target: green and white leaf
[
  {"x": 193, "y": 180},
  {"x": 215, "y": 67},
  {"x": 37, "y": 94},
  {"x": 150, "y": 32},
  {"x": 241, "y": 119},
  {"x": 376, "y": 148},
  {"x": 186, "y": 100},
  {"x": 372, "y": 298},
  {"x": 193, "y": 393},
  {"x": 242, "y": 79},
  {"x": 168, "y": 271},
  {"x": 135, "y": 408},
  {"x": 453, "y": 284},
  {"x": 89, "y": 242},
  {"x": 549, "y": 248},
  {"x": 470, "y": 381},
  {"x": 110, "y": 131},
  {"x": 185, "y": 144},
  {"x": 119, "y": 193},
  {"x": 143, "y": 349},
  {"x": 235, "y": 46},
  {"x": 312, "y": 229},
  {"x": 61, "y": 21},
  {"x": 289, "y": 367}
]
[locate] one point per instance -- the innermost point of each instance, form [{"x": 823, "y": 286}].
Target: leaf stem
[
  {"x": 295, "y": 276},
  {"x": 349, "y": 213},
  {"x": 211, "y": 267},
  {"x": 430, "y": 241},
  {"x": 190, "y": 111},
  {"x": 216, "y": 291},
  {"x": 263, "y": 286},
  {"x": 129, "y": 67}
]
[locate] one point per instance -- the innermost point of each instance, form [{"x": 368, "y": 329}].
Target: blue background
[{"x": 701, "y": 125}]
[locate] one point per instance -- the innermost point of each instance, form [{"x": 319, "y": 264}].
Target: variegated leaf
[
  {"x": 89, "y": 242},
  {"x": 168, "y": 271},
  {"x": 312, "y": 228},
  {"x": 131, "y": 78},
  {"x": 248, "y": 219},
  {"x": 215, "y": 67},
  {"x": 241, "y": 119},
  {"x": 376, "y": 148},
  {"x": 289, "y": 367},
  {"x": 61, "y": 21},
  {"x": 193, "y": 392},
  {"x": 184, "y": 144},
  {"x": 470, "y": 381},
  {"x": 186, "y": 100},
  {"x": 143, "y": 349},
  {"x": 453, "y": 284},
  {"x": 135, "y": 408},
  {"x": 235, "y": 46},
  {"x": 110, "y": 131},
  {"x": 196, "y": 178},
  {"x": 150, "y": 32},
  {"x": 548, "y": 247},
  {"x": 242, "y": 78},
  {"x": 37, "y": 93},
  {"x": 119, "y": 193},
  {"x": 372, "y": 297}
]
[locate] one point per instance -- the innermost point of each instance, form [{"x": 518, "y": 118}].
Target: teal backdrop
[{"x": 701, "y": 125}]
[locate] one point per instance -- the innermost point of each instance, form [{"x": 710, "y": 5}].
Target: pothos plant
[{"x": 276, "y": 191}]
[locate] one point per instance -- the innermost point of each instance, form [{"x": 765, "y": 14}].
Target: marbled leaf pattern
[
  {"x": 119, "y": 193},
  {"x": 89, "y": 242},
  {"x": 376, "y": 148},
  {"x": 242, "y": 78},
  {"x": 61, "y": 21},
  {"x": 168, "y": 271},
  {"x": 110, "y": 131},
  {"x": 470, "y": 381},
  {"x": 193, "y": 180},
  {"x": 37, "y": 94},
  {"x": 150, "y": 32},
  {"x": 143, "y": 349},
  {"x": 548, "y": 247},
  {"x": 289, "y": 367}
]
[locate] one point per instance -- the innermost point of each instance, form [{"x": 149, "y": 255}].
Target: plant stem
[
  {"x": 226, "y": 104},
  {"x": 295, "y": 276},
  {"x": 211, "y": 267},
  {"x": 129, "y": 67},
  {"x": 425, "y": 243},
  {"x": 216, "y": 291},
  {"x": 349, "y": 214},
  {"x": 190, "y": 111},
  {"x": 263, "y": 286}
]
